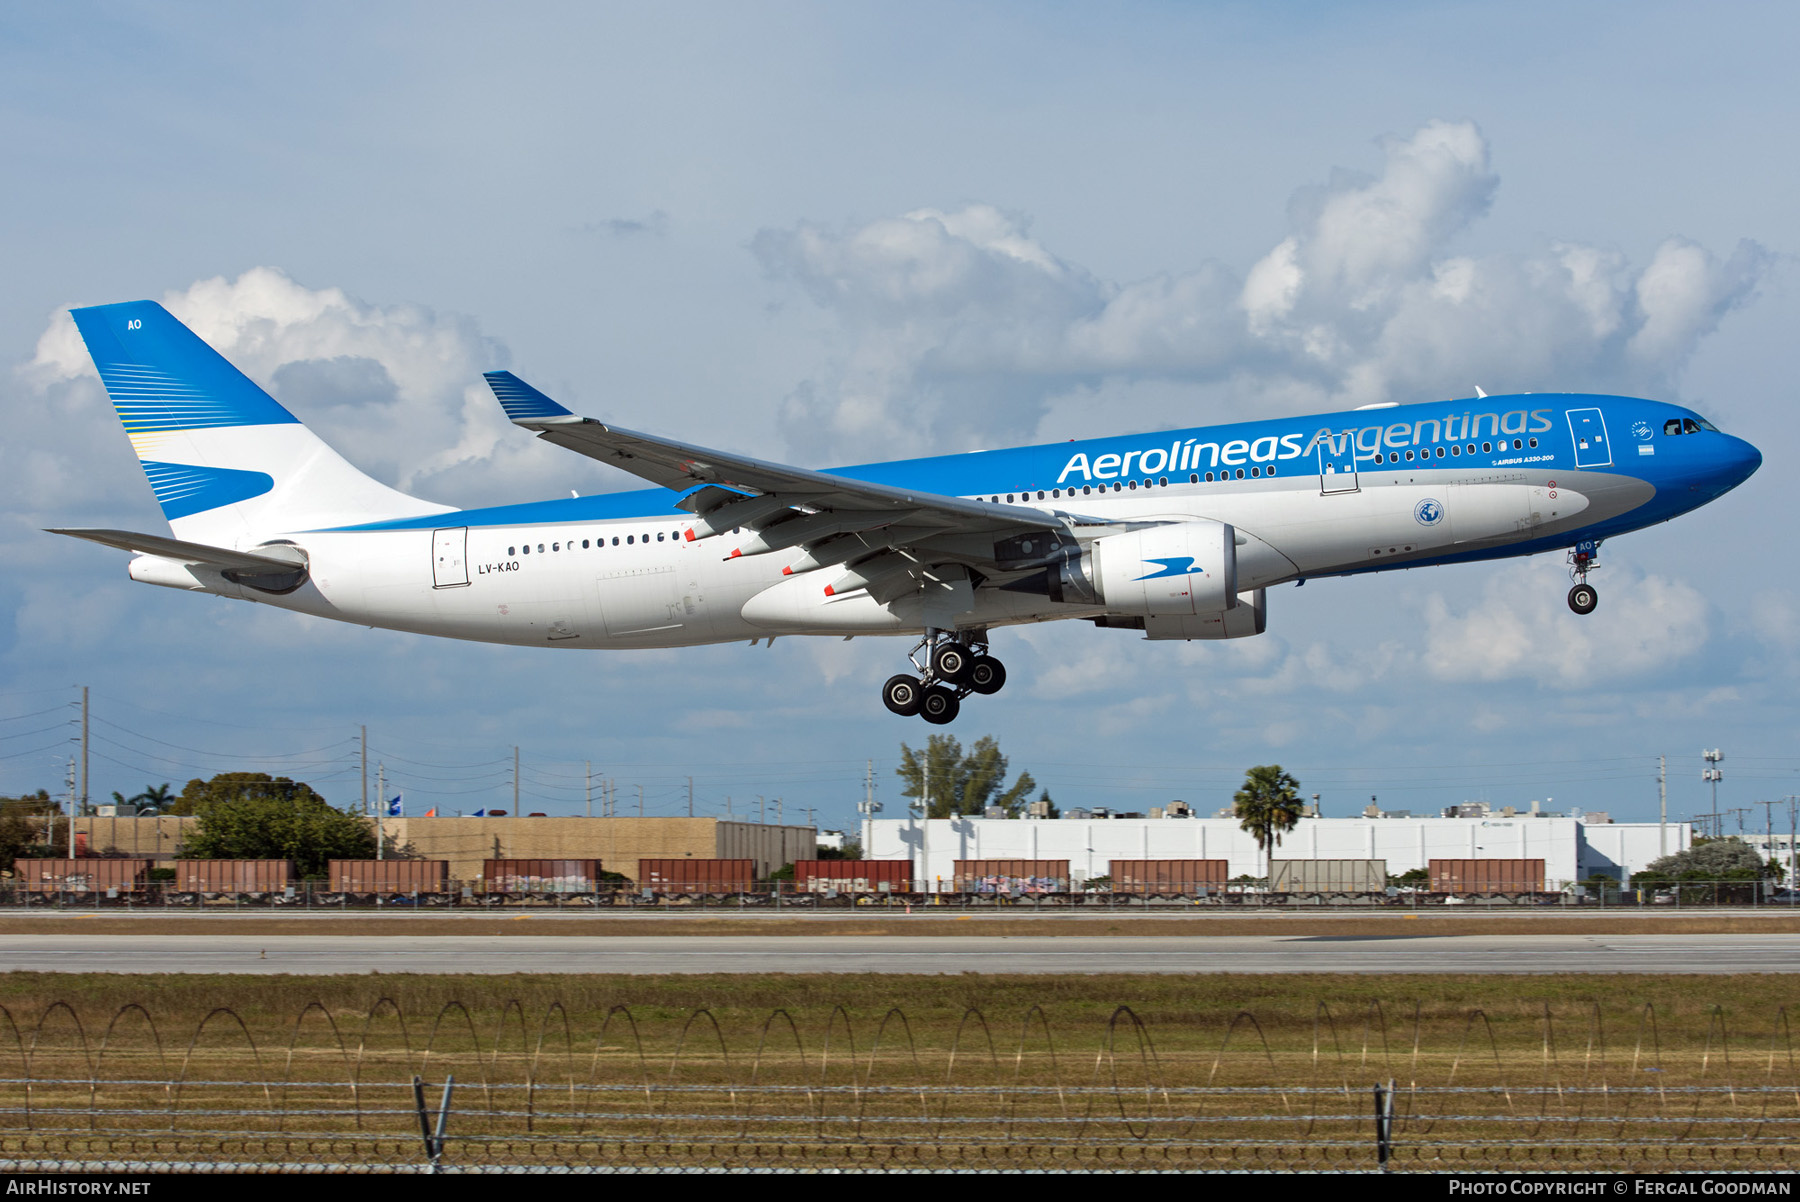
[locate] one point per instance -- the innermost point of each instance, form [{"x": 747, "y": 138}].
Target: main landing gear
[
  {"x": 954, "y": 667},
  {"x": 1582, "y": 560}
]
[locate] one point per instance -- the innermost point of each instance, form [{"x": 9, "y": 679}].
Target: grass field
[{"x": 808, "y": 1071}]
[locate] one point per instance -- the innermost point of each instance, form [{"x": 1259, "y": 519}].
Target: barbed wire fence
[{"x": 384, "y": 1091}]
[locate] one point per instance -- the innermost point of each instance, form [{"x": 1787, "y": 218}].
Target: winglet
[{"x": 522, "y": 402}]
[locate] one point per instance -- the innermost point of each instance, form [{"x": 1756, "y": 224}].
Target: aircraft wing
[{"x": 763, "y": 496}]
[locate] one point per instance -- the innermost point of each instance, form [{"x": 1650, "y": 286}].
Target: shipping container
[
  {"x": 1487, "y": 876},
  {"x": 540, "y": 876},
  {"x": 1327, "y": 876},
  {"x": 1011, "y": 877},
  {"x": 390, "y": 876},
  {"x": 81, "y": 876},
  {"x": 233, "y": 876},
  {"x": 697, "y": 876},
  {"x": 853, "y": 876},
  {"x": 1168, "y": 876}
]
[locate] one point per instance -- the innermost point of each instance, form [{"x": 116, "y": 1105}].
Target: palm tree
[
  {"x": 1268, "y": 806},
  {"x": 156, "y": 795}
]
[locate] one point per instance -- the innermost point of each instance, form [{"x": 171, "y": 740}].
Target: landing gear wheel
[
  {"x": 987, "y": 675},
  {"x": 939, "y": 706},
  {"x": 902, "y": 694},
  {"x": 1583, "y": 598},
  {"x": 951, "y": 662}
]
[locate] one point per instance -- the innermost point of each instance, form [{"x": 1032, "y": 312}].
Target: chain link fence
[{"x": 456, "y": 1091}]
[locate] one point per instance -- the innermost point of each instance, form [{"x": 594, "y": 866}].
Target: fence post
[
  {"x": 1384, "y": 1124},
  {"x": 433, "y": 1136}
]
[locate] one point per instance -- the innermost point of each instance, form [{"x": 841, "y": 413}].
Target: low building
[
  {"x": 619, "y": 843},
  {"x": 1571, "y": 850}
]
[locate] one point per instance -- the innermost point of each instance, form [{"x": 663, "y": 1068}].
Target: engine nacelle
[{"x": 1175, "y": 570}]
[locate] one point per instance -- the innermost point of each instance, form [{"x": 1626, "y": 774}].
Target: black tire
[
  {"x": 951, "y": 662},
  {"x": 1583, "y": 598},
  {"x": 939, "y": 706},
  {"x": 902, "y": 694},
  {"x": 987, "y": 675}
]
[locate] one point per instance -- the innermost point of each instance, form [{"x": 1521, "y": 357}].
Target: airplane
[{"x": 1178, "y": 534}]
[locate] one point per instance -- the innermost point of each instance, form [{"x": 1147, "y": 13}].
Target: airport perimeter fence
[
  {"x": 612, "y": 1092},
  {"x": 785, "y": 895}
]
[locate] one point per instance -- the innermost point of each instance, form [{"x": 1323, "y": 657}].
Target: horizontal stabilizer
[{"x": 276, "y": 558}]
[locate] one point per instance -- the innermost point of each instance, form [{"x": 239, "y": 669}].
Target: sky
[{"x": 833, "y": 233}]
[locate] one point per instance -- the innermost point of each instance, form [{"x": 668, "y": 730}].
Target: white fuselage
[{"x": 637, "y": 582}]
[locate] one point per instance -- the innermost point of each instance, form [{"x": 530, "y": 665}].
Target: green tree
[
  {"x": 29, "y": 828},
  {"x": 1707, "y": 860},
  {"x": 239, "y": 786},
  {"x": 1268, "y": 806},
  {"x": 252, "y": 816},
  {"x": 955, "y": 783}
]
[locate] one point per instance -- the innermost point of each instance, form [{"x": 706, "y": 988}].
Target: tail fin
[{"x": 228, "y": 464}]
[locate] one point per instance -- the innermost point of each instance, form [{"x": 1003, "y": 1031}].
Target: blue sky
[{"x": 828, "y": 233}]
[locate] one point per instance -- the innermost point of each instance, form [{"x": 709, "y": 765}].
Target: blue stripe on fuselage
[{"x": 1290, "y": 445}]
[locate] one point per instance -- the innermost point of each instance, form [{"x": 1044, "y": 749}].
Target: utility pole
[
  {"x": 690, "y": 797},
  {"x": 84, "y": 749},
  {"x": 588, "y": 766},
  {"x": 1714, "y": 776},
  {"x": 515, "y": 780},
  {"x": 778, "y": 811},
  {"x": 70, "y": 782},
  {"x": 1662, "y": 798},
  {"x": 1769, "y": 822},
  {"x": 380, "y": 809},
  {"x": 640, "y": 801},
  {"x": 365, "y": 770},
  {"x": 760, "y": 821}
]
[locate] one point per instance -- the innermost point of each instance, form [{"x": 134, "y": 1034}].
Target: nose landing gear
[
  {"x": 954, "y": 667},
  {"x": 1582, "y": 560}
]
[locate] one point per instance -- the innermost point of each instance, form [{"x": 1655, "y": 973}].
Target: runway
[{"x": 638, "y": 955}]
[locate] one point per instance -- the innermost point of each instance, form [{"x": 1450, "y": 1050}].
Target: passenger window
[
  {"x": 1056, "y": 494},
  {"x": 1690, "y": 426},
  {"x": 1269, "y": 471},
  {"x": 1209, "y": 478},
  {"x": 615, "y": 540},
  {"x": 1256, "y": 471},
  {"x": 1086, "y": 489},
  {"x": 631, "y": 538},
  {"x": 1040, "y": 494},
  {"x": 1487, "y": 448},
  {"x": 556, "y": 546},
  {"x": 1533, "y": 442},
  {"x": 1440, "y": 453},
  {"x": 540, "y": 548},
  {"x": 528, "y": 548},
  {"x": 1009, "y": 498},
  {"x": 659, "y": 536},
  {"x": 584, "y": 544},
  {"x": 512, "y": 551},
  {"x": 1393, "y": 456},
  {"x": 1195, "y": 478},
  {"x": 1240, "y": 473},
  {"x": 1517, "y": 445},
  {"x": 1162, "y": 481},
  {"x": 1134, "y": 486},
  {"x": 1455, "y": 450}
]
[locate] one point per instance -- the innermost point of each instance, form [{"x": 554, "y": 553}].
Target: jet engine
[{"x": 1173, "y": 570}]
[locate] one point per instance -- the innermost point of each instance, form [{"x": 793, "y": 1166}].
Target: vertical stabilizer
[{"x": 229, "y": 466}]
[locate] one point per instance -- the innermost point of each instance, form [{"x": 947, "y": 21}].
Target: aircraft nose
[{"x": 1734, "y": 462}]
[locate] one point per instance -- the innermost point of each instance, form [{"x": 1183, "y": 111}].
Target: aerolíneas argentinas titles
[{"x": 1178, "y": 535}]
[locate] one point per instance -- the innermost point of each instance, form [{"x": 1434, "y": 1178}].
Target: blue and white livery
[{"x": 1178, "y": 534}]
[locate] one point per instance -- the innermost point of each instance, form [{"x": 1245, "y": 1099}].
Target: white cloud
[
  {"x": 1518, "y": 629},
  {"x": 396, "y": 388},
  {"x": 959, "y": 328}
]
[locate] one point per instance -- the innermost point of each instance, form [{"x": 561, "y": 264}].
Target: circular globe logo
[{"x": 1428, "y": 512}]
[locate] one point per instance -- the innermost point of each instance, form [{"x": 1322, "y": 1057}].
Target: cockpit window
[
  {"x": 1672, "y": 426},
  {"x": 1706, "y": 425},
  {"x": 1690, "y": 426}
]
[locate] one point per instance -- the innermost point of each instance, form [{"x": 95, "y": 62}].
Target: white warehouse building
[{"x": 1572, "y": 849}]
